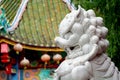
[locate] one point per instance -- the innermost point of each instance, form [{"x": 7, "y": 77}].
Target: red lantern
[
  {"x": 4, "y": 48},
  {"x": 5, "y": 58},
  {"x": 45, "y": 58},
  {"x": 57, "y": 58},
  {"x": 25, "y": 62},
  {"x": 18, "y": 48}
]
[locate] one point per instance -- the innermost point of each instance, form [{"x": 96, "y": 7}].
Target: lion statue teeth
[{"x": 83, "y": 37}]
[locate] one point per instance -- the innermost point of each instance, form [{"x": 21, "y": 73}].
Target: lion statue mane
[{"x": 83, "y": 37}]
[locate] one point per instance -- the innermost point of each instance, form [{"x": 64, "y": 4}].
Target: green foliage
[{"x": 110, "y": 11}]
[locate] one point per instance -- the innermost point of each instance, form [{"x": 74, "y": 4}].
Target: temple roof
[{"x": 39, "y": 23}]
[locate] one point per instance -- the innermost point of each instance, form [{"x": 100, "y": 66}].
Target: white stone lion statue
[{"x": 83, "y": 37}]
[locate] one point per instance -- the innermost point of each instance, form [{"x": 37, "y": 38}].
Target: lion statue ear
[
  {"x": 80, "y": 14},
  {"x": 78, "y": 11}
]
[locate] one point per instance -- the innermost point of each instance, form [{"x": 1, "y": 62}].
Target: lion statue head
[{"x": 79, "y": 31}]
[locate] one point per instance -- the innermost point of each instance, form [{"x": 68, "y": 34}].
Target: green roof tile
[{"x": 39, "y": 24}]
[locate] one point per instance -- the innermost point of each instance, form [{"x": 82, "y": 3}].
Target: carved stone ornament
[{"x": 83, "y": 37}]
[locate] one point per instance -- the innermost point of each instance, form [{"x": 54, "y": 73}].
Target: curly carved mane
[
  {"x": 82, "y": 29},
  {"x": 83, "y": 37}
]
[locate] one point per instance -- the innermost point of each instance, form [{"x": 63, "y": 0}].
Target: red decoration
[
  {"x": 5, "y": 56},
  {"x": 5, "y": 60},
  {"x": 8, "y": 69},
  {"x": 4, "y": 48},
  {"x": 13, "y": 61}
]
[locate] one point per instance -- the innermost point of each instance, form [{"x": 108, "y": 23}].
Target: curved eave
[{"x": 30, "y": 47}]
